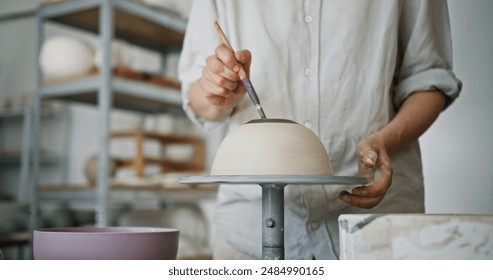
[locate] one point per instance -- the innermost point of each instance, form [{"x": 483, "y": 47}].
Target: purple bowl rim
[{"x": 106, "y": 230}]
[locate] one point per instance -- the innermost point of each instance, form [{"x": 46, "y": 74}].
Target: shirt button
[
  {"x": 308, "y": 71},
  {"x": 308, "y": 19},
  {"x": 314, "y": 226}
]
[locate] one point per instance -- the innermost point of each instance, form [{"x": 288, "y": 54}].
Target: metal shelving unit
[
  {"x": 124, "y": 19},
  {"x": 127, "y": 94},
  {"x": 20, "y": 155}
]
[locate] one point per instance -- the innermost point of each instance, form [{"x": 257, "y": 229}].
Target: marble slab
[{"x": 416, "y": 236}]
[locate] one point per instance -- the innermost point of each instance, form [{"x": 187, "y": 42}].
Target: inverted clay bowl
[
  {"x": 105, "y": 243},
  {"x": 271, "y": 147}
]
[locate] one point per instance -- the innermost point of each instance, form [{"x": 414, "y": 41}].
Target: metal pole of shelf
[
  {"x": 64, "y": 152},
  {"x": 105, "y": 100},
  {"x": 23, "y": 191},
  {"x": 164, "y": 61},
  {"x": 67, "y": 7},
  {"x": 20, "y": 14},
  {"x": 34, "y": 146},
  {"x": 165, "y": 19}
]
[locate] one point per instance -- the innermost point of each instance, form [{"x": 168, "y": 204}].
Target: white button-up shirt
[{"x": 342, "y": 68}]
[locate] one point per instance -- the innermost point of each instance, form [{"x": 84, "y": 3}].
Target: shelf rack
[
  {"x": 127, "y": 94},
  {"x": 123, "y": 19},
  {"x": 139, "y": 161},
  {"x": 21, "y": 155},
  {"x": 126, "y": 192}
]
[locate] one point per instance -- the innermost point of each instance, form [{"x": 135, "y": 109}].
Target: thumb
[
  {"x": 369, "y": 155},
  {"x": 245, "y": 58}
]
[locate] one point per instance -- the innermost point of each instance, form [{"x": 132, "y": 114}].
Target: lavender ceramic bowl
[{"x": 105, "y": 243}]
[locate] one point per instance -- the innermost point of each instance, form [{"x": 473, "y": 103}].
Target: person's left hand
[{"x": 374, "y": 163}]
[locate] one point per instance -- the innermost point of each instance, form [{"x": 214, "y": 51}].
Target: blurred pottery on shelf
[
  {"x": 126, "y": 121},
  {"x": 91, "y": 169},
  {"x": 64, "y": 56},
  {"x": 120, "y": 55}
]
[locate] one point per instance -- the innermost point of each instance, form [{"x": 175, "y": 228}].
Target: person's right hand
[{"x": 220, "y": 80}]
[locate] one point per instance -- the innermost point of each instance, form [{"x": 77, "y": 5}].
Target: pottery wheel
[
  {"x": 274, "y": 179},
  {"x": 273, "y": 201}
]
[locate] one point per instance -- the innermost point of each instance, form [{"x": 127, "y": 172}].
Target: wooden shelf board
[
  {"x": 129, "y": 27},
  {"x": 15, "y": 156},
  {"x": 124, "y": 186},
  {"x": 125, "y": 193},
  {"x": 8, "y": 239},
  {"x": 168, "y": 138}
]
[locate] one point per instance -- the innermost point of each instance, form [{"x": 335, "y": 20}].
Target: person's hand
[
  {"x": 220, "y": 80},
  {"x": 374, "y": 163}
]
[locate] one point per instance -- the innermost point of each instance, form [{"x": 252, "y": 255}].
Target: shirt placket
[
  {"x": 310, "y": 50},
  {"x": 314, "y": 202}
]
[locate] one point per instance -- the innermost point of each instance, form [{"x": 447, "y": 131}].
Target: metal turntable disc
[{"x": 274, "y": 179}]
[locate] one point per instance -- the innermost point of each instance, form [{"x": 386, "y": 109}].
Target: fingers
[
  {"x": 229, "y": 64},
  {"x": 227, "y": 57},
  {"x": 215, "y": 67},
  {"x": 359, "y": 201},
  {"x": 245, "y": 58},
  {"x": 217, "y": 83},
  {"x": 220, "y": 75},
  {"x": 365, "y": 171},
  {"x": 368, "y": 154},
  {"x": 373, "y": 156},
  {"x": 370, "y": 195},
  {"x": 233, "y": 60}
]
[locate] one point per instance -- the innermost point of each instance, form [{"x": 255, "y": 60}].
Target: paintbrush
[{"x": 243, "y": 74}]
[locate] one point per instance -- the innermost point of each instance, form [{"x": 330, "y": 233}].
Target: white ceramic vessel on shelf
[{"x": 64, "y": 56}]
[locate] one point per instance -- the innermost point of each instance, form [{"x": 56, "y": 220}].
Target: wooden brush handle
[{"x": 242, "y": 73}]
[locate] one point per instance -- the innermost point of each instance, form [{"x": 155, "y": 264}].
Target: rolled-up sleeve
[
  {"x": 200, "y": 41},
  {"x": 425, "y": 51}
]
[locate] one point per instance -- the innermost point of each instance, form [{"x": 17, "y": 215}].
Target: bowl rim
[
  {"x": 271, "y": 121},
  {"x": 105, "y": 230}
]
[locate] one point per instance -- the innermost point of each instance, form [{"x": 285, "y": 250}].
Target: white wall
[{"x": 458, "y": 149}]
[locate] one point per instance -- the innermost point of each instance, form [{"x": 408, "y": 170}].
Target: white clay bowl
[{"x": 271, "y": 147}]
